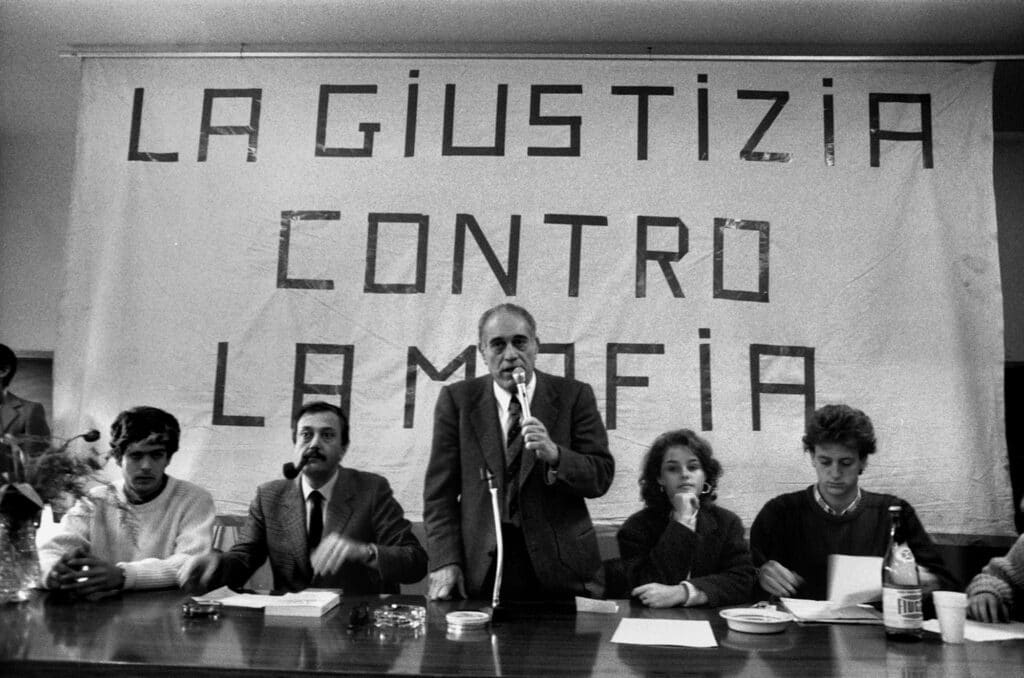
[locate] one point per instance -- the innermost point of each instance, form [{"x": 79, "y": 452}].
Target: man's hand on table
[
  {"x": 197, "y": 573},
  {"x": 445, "y": 582},
  {"x": 81, "y": 574},
  {"x": 779, "y": 580}
]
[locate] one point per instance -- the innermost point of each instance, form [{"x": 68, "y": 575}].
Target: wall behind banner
[{"x": 735, "y": 227}]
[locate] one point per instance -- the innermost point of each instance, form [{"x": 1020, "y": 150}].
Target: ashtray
[
  {"x": 195, "y": 609},
  {"x": 465, "y": 620},
  {"x": 408, "y": 616},
  {"x": 756, "y": 619}
]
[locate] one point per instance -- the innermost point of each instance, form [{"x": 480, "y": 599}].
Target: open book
[{"x": 830, "y": 612}]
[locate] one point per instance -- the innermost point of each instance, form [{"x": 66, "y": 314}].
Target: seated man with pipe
[
  {"x": 138, "y": 532},
  {"x": 332, "y": 527}
]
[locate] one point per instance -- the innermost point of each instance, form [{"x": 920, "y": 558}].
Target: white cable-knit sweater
[{"x": 150, "y": 541}]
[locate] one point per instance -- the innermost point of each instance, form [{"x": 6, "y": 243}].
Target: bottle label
[
  {"x": 903, "y": 554},
  {"x": 900, "y": 568},
  {"x": 901, "y": 607}
]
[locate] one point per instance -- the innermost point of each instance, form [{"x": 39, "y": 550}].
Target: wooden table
[{"x": 144, "y": 634}]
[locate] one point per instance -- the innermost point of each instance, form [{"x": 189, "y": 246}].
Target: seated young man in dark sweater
[{"x": 795, "y": 533}]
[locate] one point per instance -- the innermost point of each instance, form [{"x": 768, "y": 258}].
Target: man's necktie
[
  {"x": 513, "y": 458},
  {"x": 515, "y": 425},
  {"x": 316, "y": 519}
]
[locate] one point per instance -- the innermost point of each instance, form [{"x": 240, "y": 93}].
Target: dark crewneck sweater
[{"x": 795, "y": 531}]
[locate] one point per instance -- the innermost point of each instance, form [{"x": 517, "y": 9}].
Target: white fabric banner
[{"x": 717, "y": 246}]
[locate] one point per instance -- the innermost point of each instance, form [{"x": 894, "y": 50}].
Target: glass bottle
[{"x": 901, "y": 587}]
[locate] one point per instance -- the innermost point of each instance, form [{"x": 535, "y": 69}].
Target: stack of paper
[
  {"x": 308, "y": 603},
  {"x": 825, "y": 611}
]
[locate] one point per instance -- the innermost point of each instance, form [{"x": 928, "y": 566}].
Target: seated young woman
[
  {"x": 682, "y": 548},
  {"x": 794, "y": 534}
]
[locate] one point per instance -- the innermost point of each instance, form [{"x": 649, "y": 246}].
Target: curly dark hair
[
  {"x": 651, "y": 492},
  {"x": 143, "y": 423},
  {"x": 841, "y": 424}
]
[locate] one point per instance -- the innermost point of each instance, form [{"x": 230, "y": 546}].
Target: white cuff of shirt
[{"x": 691, "y": 593}]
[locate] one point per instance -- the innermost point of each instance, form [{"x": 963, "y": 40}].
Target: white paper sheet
[
  {"x": 827, "y": 612},
  {"x": 979, "y": 632},
  {"x": 683, "y": 633},
  {"x": 854, "y": 579},
  {"x": 597, "y": 606}
]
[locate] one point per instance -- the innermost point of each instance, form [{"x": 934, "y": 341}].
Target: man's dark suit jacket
[
  {"x": 25, "y": 420},
  {"x": 556, "y": 525},
  {"x": 361, "y": 507}
]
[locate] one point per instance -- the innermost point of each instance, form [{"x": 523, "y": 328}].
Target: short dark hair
[
  {"x": 506, "y": 308},
  {"x": 840, "y": 424},
  {"x": 651, "y": 492},
  {"x": 320, "y": 406},
  {"x": 143, "y": 423},
  {"x": 10, "y": 361}
]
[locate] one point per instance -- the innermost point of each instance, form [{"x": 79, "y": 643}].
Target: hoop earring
[{"x": 707, "y": 488}]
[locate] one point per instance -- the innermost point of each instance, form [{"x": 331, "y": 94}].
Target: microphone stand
[{"x": 500, "y": 565}]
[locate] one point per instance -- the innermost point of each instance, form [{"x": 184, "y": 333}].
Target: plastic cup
[{"x": 951, "y": 609}]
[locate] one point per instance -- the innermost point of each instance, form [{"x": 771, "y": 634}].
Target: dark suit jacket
[
  {"x": 714, "y": 557},
  {"x": 20, "y": 417},
  {"x": 362, "y": 507},
  {"x": 555, "y": 522}
]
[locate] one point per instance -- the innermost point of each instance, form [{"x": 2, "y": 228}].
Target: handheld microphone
[
  {"x": 519, "y": 375},
  {"x": 290, "y": 470}
]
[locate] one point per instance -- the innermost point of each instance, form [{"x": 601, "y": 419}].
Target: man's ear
[{"x": 344, "y": 451}]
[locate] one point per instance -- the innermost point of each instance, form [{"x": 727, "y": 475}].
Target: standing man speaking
[{"x": 545, "y": 466}]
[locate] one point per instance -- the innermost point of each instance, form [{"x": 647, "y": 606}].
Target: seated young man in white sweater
[{"x": 136, "y": 533}]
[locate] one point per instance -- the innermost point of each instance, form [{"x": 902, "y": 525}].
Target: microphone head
[
  {"x": 91, "y": 436},
  {"x": 519, "y": 375}
]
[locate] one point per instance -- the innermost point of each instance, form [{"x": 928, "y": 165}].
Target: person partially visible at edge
[
  {"x": 137, "y": 532},
  {"x": 794, "y": 534},
  {"x": 682, "y": 548},
  {"x": 24, "y": 420},
  {"x": 556, "y": 459},
  {"x": 996, "y": 594},
  {"x": 330, "y": 527}
]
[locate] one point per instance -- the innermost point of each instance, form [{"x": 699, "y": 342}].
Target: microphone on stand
[
  {"x": 519, "y": 375},
  {"x": 90, "y": 436},
  {"x": 499, "y": 541},
  {"x": 290, "y": 470}
]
